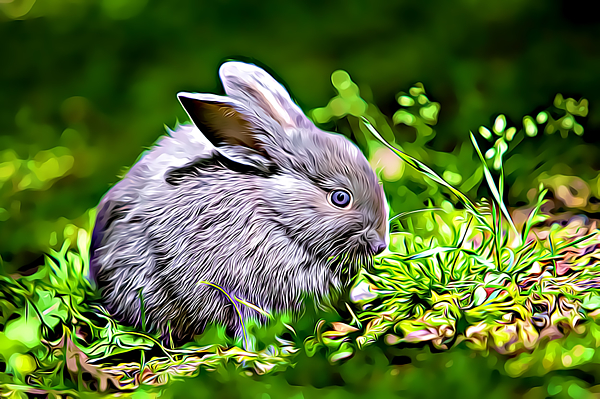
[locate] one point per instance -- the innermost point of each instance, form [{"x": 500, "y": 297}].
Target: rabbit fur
[{"x": 240, "y": 200}]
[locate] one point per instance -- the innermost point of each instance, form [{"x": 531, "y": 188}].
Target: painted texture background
[{"x": 86, "y": 85}]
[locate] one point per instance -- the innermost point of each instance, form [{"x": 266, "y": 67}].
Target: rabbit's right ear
[
  {"x": 228, "y": 126},
  {"x": 253, "y": 84}
]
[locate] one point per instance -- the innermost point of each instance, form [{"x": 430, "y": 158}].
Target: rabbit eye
[{"x": 340, "y": 198}]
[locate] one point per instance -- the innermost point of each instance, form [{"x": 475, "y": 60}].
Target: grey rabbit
[{"x": 253, "y": 198}]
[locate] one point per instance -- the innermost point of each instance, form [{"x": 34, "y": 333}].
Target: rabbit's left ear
[
  {"x": 229, "y": 126},
  {"x": 252, "y": 84}
]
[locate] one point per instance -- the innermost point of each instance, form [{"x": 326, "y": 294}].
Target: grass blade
[
  {"x": 424, "y": 169},
  {"x": 492, "y": 185}
]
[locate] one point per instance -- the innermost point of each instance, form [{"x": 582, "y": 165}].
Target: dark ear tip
[
  {"x": 183, "y": 96},
  {"x": 189, "y": 103},
  {"x": 188, "y": 98}
]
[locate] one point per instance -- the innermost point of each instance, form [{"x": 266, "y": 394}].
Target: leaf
[
  {"x": 430, "y": 252},
  {"x": 311, "y": 346},
  {"x": 51, "y": 309},
  {"x": 25, "y": 330},
  {"x": 591, "y": 302},
  {"x": 342, "y": 327},
  {"x": 345, "y": 351},
  {"x": 479, "y": 296}
]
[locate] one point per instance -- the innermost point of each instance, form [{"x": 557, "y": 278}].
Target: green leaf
[
  {"x": 345, "y": 351},
  {"x": 591, "y": 302},
  {"x": 51, "y": 309},
  {"x": 311, "y": 346},
  {"x": 25, "y": 330}
]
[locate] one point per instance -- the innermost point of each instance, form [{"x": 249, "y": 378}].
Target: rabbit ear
[
  {"x": 249, "y": 82},
  {"x": 228, "y": 126}
]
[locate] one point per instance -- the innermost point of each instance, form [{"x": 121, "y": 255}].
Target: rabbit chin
[{"x": 348, "y": 264}]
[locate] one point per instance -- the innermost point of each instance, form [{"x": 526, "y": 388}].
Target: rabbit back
[{"x": 163, "y": 242}]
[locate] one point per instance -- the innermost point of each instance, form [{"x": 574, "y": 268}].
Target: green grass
[
  {"x": 474, "y": 280},
  {"x": 471, "y": 281},
  {"x": 444, "y": 291}
]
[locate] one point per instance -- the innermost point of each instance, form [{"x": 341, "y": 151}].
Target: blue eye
[{"x": 340, "y": 198}]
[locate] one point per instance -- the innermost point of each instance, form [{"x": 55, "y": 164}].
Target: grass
[
  {"x": 51, "y": 329},
  {"x": 472, "y": 281},
  {"x": 527, "y": 290},
  {"x": 475, "y": 281}
]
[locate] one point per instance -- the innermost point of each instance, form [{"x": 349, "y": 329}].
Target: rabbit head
[
  {"x": 255, "y": 199},
  {"x": 259, "y": 127}
]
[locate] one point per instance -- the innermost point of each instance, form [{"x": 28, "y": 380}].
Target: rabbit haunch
[{"x": 239, "y": 200}]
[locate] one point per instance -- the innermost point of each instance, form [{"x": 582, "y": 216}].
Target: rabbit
[{"x": 252, "y": 199}]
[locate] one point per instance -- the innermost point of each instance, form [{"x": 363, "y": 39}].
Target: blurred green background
[{"x": 86, "y": 85}]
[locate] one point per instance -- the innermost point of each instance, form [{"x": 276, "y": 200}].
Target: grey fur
[{"x": 243, "y": 206}]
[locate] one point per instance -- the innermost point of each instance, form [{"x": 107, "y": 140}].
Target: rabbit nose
[
  {"x": 376, "y": 242},
  {"x": 378, "y": 246}
]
